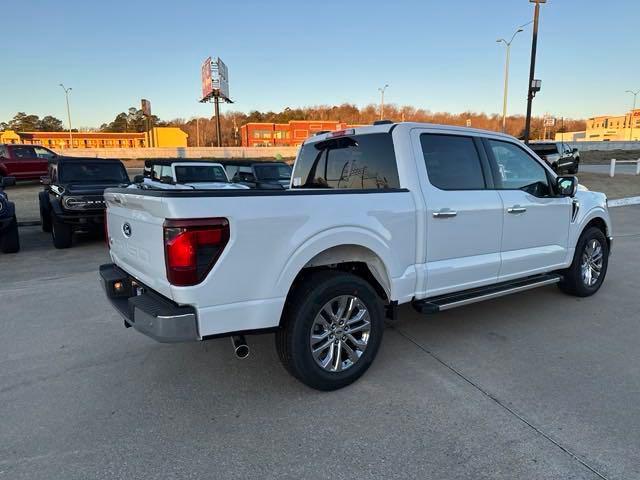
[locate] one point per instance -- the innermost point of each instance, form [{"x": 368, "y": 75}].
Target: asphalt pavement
[{"x": 534, "y": 386}]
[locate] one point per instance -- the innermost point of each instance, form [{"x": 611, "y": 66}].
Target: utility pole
[
  {"x": 635, "y": 97},
  {"x": 381, "y": 90},
  {"x": 532, "y": 70},
  {"x": 506, "y": 77},
  {"x": 66, "y": 94}
]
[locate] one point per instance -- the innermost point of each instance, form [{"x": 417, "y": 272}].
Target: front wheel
[
  {"x": 333, "y": 327},
  {"x": 45, "y": 220},
  {"x": 10, "y": 239},
  {"x": 61, "y": 233},
  {"x": 590, "y": 261}
]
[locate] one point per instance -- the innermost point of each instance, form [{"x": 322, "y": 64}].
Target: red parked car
[{"x": 24, "y": 162}]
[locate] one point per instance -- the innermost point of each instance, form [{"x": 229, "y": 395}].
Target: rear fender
[{"x": 340, "y": 245}]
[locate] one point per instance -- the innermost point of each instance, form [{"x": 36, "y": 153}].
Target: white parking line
[{"x": 623, "y": 202}]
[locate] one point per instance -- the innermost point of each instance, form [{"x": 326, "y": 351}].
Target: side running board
[{"x": 467, "y": 297}]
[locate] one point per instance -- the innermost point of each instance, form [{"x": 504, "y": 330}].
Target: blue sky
[{"x": 435, "y": 54}]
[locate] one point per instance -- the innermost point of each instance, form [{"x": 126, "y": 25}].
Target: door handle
[
  {"x": 444, "y": 214},
  {"x": 516, "y": 209}
]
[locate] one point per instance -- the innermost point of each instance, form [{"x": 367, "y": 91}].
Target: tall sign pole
[
  {"x": 532, "y": 71},
  {"x": 216, "y": 109}
]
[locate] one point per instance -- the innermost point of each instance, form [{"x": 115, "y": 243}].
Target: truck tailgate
[{"x": 136, "y": 243}]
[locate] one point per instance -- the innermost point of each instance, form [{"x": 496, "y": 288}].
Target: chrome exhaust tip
[{"x": 240, "y": 347}]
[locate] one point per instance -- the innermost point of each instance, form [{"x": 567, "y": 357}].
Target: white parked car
[
  {"x": 437, "y": 216},
  {"x": 181, "y": 175}
]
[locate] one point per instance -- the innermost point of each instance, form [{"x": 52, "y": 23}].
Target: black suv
[
  {"x": 73, "y": 198},
  {"x": 264, "y": 175},
  {"x": 9, "y": 239},
  {"x": 560, "y": 156}
]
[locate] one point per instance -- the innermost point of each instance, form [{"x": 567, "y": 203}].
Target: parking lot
[{"x": 538, "y": 385}]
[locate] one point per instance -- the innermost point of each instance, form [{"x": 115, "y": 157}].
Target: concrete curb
[
  {"x": 623, "y": 202},
  {"x": 31, "y": 223}
]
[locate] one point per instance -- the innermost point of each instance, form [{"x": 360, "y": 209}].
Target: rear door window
[
  {"x": 357, "y": 162},
  {"x": 452, "y": 161}
]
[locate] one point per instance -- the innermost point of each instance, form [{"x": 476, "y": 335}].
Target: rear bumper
[{"x": 147, "y": 311}]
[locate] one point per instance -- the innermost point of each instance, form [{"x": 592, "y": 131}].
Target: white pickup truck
[
  {"x": 180, "y": 175},
  {"x": 377, "y": 216}
]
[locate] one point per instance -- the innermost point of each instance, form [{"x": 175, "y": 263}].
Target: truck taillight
[{"x": 192, "y": 247}]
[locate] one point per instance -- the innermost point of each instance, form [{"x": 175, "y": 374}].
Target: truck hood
[{"x": 90, "y": 188}]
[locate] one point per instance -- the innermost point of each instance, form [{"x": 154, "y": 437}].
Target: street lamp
[
  {"x": 635, "y": 97},
  {"x": 66, "y": 94},
  {"x": 381, "y": 90},
  {"x": 506, "y": 76},
  {"x": 532, "y": 69}
]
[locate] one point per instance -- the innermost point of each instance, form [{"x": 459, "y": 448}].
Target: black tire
[
  {"x": 303, "y": 305},
  {"x": 45, "y": 216},
  {"x": 61, "y": 233},
  {"x": 10, "y": 239},
  {"x": 574, "y": 169},
  {"x": 45, "y": 220},
  {"x": 573, "y": 282}
]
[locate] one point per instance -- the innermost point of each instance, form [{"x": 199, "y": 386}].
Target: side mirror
[
  {"x": 138, "y": 179},
  {"x": 574, "y": 150},
  {"x": 8, "y": 181},
  {"x": 567, "y": 186},
  {"x": 45, "y": 180}
]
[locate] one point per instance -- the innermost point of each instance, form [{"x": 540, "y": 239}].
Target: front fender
[
  {"x": 334, "y": 237},
  {"x": 593, "y": 205}
]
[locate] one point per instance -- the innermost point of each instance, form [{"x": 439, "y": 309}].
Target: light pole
[
  {"x": 635, "y": 97},
  {"x": 506, "y": 76},
  {"x": 66, "y": 94},
  {"x": 532, "y": 88},
  {"x": 381, "y": 90}
]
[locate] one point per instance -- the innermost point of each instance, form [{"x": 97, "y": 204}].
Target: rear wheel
[
  {"x": 334, "y": 323},
  {"x": 590, "y": 261},
  {"x": 61, "y": 233},
  {"x": 10, "y": 239}
]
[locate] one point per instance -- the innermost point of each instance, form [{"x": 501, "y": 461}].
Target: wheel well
[
  {"x": 358, "y": 268},
  {"x": 354, "y": 259},
  {"x": 600, "y": 224}
]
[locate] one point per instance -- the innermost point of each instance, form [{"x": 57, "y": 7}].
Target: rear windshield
[
  {"x": 93, "y": 172},
  {"x": 544, "y": 148},
  {"x": 200, "y": 173},
  {"x": 354, "y": 162},
  {"x": 273, "y": 172}
]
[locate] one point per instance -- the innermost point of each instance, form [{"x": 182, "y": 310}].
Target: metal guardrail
[{"x": 614, "y": 162}]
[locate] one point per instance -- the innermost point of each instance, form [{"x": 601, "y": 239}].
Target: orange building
[
  {"x": 84, "y": 139},
  {"x": 289, "y": 134},
  {"x": 160, "y": 137}
]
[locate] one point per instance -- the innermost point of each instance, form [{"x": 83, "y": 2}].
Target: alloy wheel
[{"x": 340, "y": 333}]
